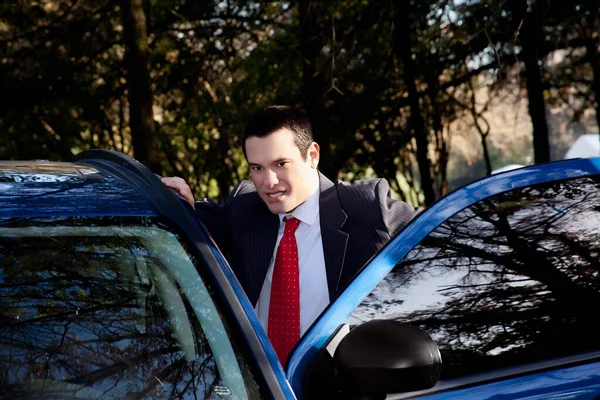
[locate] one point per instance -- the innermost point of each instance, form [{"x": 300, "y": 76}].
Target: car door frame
[
  {"x": 338, "y": 312},
  {"x": 171, "y": 208}
]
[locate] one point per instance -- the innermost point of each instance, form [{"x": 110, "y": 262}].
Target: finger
[{"x": 180, "y": 187}]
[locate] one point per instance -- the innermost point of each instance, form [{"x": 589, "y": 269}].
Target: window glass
[
  {"x": 42, "y": 172},
  {"x": 113, "y": 311},
  {"x": 509, "y": 280}
]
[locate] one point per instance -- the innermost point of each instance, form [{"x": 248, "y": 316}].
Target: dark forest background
[{"x": 390, "y": 85}]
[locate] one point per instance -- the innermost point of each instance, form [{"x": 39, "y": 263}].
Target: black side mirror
[
  {"x": 372, "y": 360},
  {"x": 384, "y": 356}
]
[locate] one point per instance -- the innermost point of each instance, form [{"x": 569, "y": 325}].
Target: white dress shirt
[{"x": 314, "y": 294}]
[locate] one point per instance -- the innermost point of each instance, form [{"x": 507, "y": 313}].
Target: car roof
[
  {"x": 108, "y": 183},
  {"x": 42, "y": 188}
]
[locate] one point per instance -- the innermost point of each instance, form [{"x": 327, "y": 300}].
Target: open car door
[{"x": 492, "y": 290}]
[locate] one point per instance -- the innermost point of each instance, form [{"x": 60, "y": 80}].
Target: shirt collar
[{"x": 307, "y": 212}]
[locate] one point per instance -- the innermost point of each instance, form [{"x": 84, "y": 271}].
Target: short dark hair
[{"x": 274, "y": 118}]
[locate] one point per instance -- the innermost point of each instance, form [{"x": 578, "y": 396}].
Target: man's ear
[{"x": 313, "y": 154}]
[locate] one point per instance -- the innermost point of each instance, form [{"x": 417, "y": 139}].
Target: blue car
[{"x": 110, "y": 289}]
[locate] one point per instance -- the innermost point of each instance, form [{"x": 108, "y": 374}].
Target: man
[{"x": 292, "y": 227}]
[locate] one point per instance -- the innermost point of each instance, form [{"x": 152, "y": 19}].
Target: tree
[
  {"x": 145, "y": 141},
  {"x": 403, "y": 48},
  {"x": 530, "y": 40},
  {"x": 383, "y": 82}
]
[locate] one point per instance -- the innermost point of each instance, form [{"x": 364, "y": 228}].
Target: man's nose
[{"x": 270, "y": 179}]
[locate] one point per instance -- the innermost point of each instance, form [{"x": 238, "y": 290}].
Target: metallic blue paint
[
  {"x": 89, "y": 192},
  {"x": 33, "y": 191},
  {"x": 43, "y": 189},
  {"x": 581, "y": 382},
  {"x": 339, "y": 312},
  {"x": 254, "y": 321}
]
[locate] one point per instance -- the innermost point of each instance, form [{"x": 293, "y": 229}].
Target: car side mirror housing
[
  {"x": 372, "y": 360},
  {"x": 383, "y": 356}
]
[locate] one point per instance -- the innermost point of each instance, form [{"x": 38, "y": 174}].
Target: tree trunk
[
  {"x": 441, "y": 144},
  {"x": 402, "y": 49},
  {"x": 144, "y": 138},
  {"x": 535, "y": 92},
  {"x": 309, "y": 35},
  {"x": 486, "y": 152}
]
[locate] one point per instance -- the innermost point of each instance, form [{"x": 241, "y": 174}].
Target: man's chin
[{"x": 279, "y": 207}]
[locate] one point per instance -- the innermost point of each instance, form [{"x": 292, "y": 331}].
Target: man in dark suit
[{"x": 337, "y": 228}]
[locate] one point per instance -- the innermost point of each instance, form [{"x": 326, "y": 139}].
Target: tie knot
[{"x": 291, "y": 224}]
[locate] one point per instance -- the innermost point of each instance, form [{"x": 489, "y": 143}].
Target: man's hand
[{"x": 180, "y": 187}]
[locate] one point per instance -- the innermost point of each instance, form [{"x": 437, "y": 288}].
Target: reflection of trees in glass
[
  {"x": 508, "y": 280},
  {"x": 85, "y": 315},
  {"x": 15, "y": 171}
]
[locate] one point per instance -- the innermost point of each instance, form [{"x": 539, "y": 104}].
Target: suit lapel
[{"x": 332, "y": 218}]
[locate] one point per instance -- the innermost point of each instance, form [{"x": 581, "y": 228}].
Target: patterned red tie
[{"x": 284, "y": 306}]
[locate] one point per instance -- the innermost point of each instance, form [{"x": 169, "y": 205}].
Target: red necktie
[{"x": 284, "y": 306}]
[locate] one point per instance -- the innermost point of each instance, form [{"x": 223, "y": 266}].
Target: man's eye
[
  {"x": 255, "y": 168},
  {"x": 281, "y": 164}
]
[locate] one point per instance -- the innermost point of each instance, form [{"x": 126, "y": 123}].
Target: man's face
[{"x": 283, "y": 177}]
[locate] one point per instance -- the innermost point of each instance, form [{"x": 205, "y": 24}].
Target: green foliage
[{"x": 212, "y": 63}]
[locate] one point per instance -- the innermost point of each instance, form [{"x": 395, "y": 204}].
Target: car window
[
  {"x": 508, "y": 280},
  {"x": 113, "y": 311}
]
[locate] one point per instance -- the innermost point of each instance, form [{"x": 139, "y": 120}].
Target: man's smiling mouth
[{"x": 276, "y": 195}]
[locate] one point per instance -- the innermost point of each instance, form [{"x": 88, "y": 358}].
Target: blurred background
[{"x": 429, "y": 94}]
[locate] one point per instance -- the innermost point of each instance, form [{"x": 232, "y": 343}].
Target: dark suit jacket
[{"x": 356, "y": 221}]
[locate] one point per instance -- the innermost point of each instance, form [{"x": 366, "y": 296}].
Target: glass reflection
[
  {"x": 42, "y": 172},
  {"x": 111, "y": 313},
  {"x": 509, "y": 280}
]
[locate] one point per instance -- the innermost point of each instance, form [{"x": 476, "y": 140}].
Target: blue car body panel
[
  {"x": 34, "y": 189},
  {"x": 581, "y": 382},
  {"x": 31, "y": 189},
  {"x": 256, "y": 325},
  {"x": 339, "y": 312},
  {"x": 64, "y": 189}
]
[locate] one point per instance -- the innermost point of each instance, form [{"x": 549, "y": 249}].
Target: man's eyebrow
[{"x": 280, "y": 160}]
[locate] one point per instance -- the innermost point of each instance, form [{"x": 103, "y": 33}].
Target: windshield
[{"x": 111, "y": 312}]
